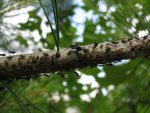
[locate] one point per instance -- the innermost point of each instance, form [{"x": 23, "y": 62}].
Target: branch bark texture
[{"x": 26, "y": 66}]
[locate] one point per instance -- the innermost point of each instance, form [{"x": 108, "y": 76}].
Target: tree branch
[{"x": 28, "y": 66}]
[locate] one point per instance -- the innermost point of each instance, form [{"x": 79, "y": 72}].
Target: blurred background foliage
[{"x": 121, "y": 88}]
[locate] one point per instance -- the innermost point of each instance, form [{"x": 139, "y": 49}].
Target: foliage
[{"x": 123, "y": 88}]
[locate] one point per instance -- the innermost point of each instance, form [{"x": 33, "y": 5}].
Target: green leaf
[{"x": 22, "y": 40}]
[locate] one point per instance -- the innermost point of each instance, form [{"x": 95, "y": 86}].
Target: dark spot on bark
[
  {"x": 108, "y": 48},
  {"x": 133, "y": 48},
  {"x": 53, "y": 60},
  {"x": 101, "y": 46},
  {"x": 19, "y": 63},
  {"x": 9, "y": 57},
  {"x": 34, "y": 61},
  {"x": 37, "y": 58},
  {"x": 22, "y": 57},
  {"x": 6, "y": 63},
  {"x": 130, "y": 43}
]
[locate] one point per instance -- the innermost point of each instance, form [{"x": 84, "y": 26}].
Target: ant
[
  {"x": 76, "y": 46},
  {"x": 95, "y": 45},
  {"x": 2, "y": 54},
  {"x": 12, "y": 52}
]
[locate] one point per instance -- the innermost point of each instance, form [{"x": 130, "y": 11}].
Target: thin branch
[{"x": 33, "y": 65}]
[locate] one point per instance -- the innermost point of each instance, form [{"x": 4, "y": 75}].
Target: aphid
[
  {"x": 22, "y": 57},
  {"x": 85, "y": 50},
  {"x": 95, "y": 45},
  {"x": 34, "y": 61},
  {"x": 47, "y": 75},
  {"x": 37, "y": 58},
  {"x": 76, "y": 73},
  {"x": 6, "y": 63},
  {"x": 124, "y": 40},
  {"x": 130, "y": 43},
  {"x": 9, "y": 57},
  {"x": 45, "y": 54},
  {"x": 100, "y": 65},
  {"x": 129, "y": 39},
  {"x": 24, "y": 78},
  {"x": 10, "y": 51},
  {"x": 115, "y": 42},
  {"x": 2, "y": 54},
  {"x": 73, "y": 46},
  {"x": 133, "y": 48},
  {"x": 70, "y": 52},
  {"x": 101, "y": 46},
  {"x": 57, "y": 55},
  {"x": 108, "y": 48},
  {"x": 117, "y": 61},
  {"x": 137, "y": 38},
  {"x": 53, "y": 61},
  {"x": 109, "y": 64}
]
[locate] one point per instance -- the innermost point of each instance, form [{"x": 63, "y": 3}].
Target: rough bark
[{"x": 28, "y": 66}]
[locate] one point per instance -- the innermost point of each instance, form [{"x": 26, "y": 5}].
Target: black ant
[
  {"x": 76, "y": 73},
  {"x": 2, "y": 54},
  {"x": 95, "y": 45},
  {"x": 10, "y": 51},
  {"x": 145, "y": 37},
  {"x": 76, "y": 46}
]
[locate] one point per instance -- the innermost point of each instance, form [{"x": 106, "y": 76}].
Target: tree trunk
[{"x": 28, "y": 66}]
